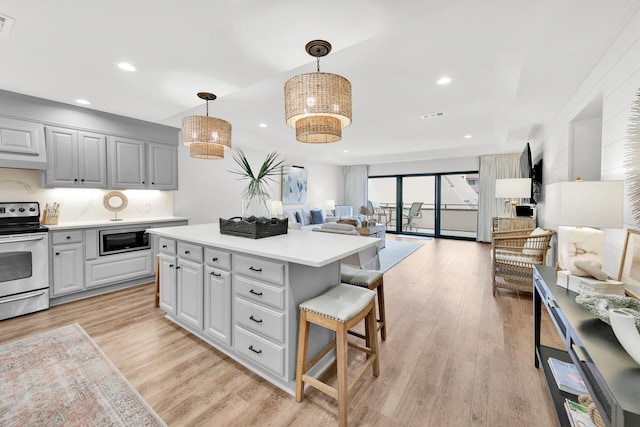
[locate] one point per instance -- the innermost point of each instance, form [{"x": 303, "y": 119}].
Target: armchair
[{"x": 514, "y": 253}]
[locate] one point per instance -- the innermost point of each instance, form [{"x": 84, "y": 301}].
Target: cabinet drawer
[
  {"x": 190, "y": 252},
  {"x": 259, "y": 268},
  {"x": 66, "y": 237},
  {"x": 260, "y": 319},
  {"x": 217, "y": 258},
  {"x": 260, "y": 292},
  {"x": 260, "y": 351},
  {"x": 167, "y": 246}
]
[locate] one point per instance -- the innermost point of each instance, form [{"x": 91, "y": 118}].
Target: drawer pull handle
[
  {"x": 255, "y": 269},
  {"x": 254, "y": 319},
  {"x": 187, "y": 252},
  {"x": 255, "y": 293},
  {"x": 213, "y": 273},
  {"x": 254, "y": 350},
  {"x": 164, "y": 246},
  {"x": 214, "y": 259},
  {"x": 68, "y": 237}
]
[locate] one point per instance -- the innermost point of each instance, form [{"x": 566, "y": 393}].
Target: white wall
[
  {"x": 426, "y": 166},
  {"x": 617, "y": 77},
  {"x": 209, "y": 191},
  {"x": 78, "y": 205}
]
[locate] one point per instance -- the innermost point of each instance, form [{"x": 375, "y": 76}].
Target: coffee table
[{"x": 374, "y": 231}]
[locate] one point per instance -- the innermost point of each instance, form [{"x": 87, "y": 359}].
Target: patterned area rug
[
  {"x": 61, "y": 377},
  {"x": 394, "y": 252}
]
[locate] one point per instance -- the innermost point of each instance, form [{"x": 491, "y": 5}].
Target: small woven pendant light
[
  {"x": 318, "y": 105},
  {"x": 207, "y": 137}
]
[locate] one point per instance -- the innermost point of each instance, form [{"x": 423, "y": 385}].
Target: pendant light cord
[{"x": 207, "y": 107}]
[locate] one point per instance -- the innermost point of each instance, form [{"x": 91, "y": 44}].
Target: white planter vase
[
  {"x": 624, "y": 327},
  {"x": 258, "y": 206}
]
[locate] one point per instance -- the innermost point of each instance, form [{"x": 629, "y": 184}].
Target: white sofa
[{"x": 304, "y": 219}]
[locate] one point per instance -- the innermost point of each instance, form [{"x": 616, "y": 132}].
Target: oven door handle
[
  {"x": 21, "y": 239},
  {"x": 21, "y": 297}
]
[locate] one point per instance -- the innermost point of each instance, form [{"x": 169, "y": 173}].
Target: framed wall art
[
  {"x": 630, "y": 264},
  {"x": 294, "y": 185}
]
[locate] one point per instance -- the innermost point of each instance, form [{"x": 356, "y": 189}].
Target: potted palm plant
[{"x": 256, "y": 202}]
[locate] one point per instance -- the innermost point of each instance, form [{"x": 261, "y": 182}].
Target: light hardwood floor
[{"x": 455, "y": 355}]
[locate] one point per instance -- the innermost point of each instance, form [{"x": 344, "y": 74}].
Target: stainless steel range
[{"x": 24, "y": 261}]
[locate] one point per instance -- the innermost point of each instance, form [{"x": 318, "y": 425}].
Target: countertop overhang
[{"x": 297, "y": 246}]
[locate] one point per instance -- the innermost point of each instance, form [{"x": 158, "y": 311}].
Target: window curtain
[
  {"x": 491, "y": 169},
  {"x": 355, "y": 186}
]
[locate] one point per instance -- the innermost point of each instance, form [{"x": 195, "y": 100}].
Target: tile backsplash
[{"x": 82, "y": 204}]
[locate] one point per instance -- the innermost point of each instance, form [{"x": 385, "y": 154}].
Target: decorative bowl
[{"x": 600, "y": 304}]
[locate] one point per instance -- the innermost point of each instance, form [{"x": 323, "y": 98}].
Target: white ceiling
[{"x": 513, "y": 65}]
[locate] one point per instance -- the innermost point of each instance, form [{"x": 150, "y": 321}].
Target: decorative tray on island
[{"x": 252, "y": 227}]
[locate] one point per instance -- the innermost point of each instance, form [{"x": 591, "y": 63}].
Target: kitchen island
[{"x": 241, "y": 295}]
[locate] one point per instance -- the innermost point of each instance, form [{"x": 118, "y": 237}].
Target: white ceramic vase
[{"x": 624, "y": 327}]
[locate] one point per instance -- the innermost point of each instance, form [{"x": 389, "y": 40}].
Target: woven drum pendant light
[
  {"x": 207, "y": 137},
  {"x": 318, "y": 105}
]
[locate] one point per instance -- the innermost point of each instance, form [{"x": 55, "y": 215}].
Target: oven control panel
[{"x": 19, "y": 209}]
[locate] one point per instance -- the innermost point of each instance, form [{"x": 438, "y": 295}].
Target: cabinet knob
[
  {"x": 170, "y": 265},
  {"x": 143, "y": 182},
  {"x": 214, "y": 259},
  {"x": 178, "y": 268},
  {"x": 164, "y": 246},
  {"x": 152, "y": 183},
  {"x": 187, "y": 252},
  {"x": 57, "y": 253},
  {"x": 75, "y": 179},
  {"x": 82, "y": 180},
  {"x": 68, "y": 237}
]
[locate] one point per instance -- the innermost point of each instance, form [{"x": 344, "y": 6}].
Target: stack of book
[
  {"x": 578, "y": 414},
  {"x": 583, "y": 285},
  {"x": 567, "y": 377}
]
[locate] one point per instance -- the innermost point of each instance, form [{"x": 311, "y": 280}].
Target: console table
[
  {"x": 610, "y": 374},
  {"x": 507, "y": 224},
  {"x": 378, "y": 231}
]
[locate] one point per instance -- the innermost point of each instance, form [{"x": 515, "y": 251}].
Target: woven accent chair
[{"x": 514, "y": 253}]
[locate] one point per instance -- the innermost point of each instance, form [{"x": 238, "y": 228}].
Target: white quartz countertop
[
  {"x": 109, "y": 223},
  {"x": 297, "y": 246}
]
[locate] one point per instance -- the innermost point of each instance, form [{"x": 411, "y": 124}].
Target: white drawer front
[
  {"x": 217, "y": 258},
  {"x": 260, "y": 319},
  {"x": 167, "y": 246},
  {"x": 66, "y": 237},
  {"x": 190, "y": 252},
  {"x": 261, "y": 293},
  {"x": 259, "y": 350},
  {"x": 261, "y": 269}
]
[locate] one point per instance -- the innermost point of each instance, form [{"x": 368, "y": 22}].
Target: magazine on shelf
[
  {"x": 578, "y": 414},
  {"x": 567, "y": 377}
]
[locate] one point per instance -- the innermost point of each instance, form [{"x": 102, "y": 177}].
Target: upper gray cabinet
[
  {"x": 22, "y": 144},
  {"x": 138, "y": 164},
  {"x": 76, "y": 159},
  {"x": 163, "y": 166}
]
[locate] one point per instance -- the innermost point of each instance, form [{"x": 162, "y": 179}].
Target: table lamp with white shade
[
  {"x": 512, "y": 189},
  {"x": 330, "y": 206},
  {"x": 576, "y": 207},
  {"x": 276, "y": 209}
]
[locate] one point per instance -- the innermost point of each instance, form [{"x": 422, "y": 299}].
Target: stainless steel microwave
[{"x": 123, "y": 240}]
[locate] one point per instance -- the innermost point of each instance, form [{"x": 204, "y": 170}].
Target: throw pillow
[
  {"x": 299, "y": 218},
  {"x": 532, "y": 244},
  {"x": 317, "y": 216}
]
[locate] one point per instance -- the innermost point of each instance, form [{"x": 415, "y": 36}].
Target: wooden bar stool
[
  {"x": 338, "y": 309},
  {"x": 370, "y": 279}
]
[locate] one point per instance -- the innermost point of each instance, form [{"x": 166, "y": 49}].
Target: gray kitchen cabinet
[
  {"x": 22, "y": 144},
  {"x": 162, "y": 166},
  {"x": 76, "y": 159},
  {"x": 190, "y": 293},
  {"x": 168, "y": 283},
  {"x": 68, "y": 268},
  {"x": 118, "y": 268},
  {"x": 217, "y": 304},
  {"x": 127, "y": 163}
]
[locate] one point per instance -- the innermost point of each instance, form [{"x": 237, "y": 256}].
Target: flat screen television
[{"x": 526, "y": 168}]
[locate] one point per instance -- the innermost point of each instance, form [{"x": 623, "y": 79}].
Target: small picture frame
[{"x": 630, "y": 264}]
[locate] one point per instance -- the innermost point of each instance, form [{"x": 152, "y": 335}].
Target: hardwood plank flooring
[{"x": 454, "y": 356}]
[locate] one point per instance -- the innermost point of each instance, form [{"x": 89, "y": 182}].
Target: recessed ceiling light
[
  {"x": 432, "y": 115},
  {"x": 83, "y": 101},
  {"x": 345, "y": 151},
  {"x": 263, "y": 125},
  {"x": 444, "y": 80},
  {"x": 126, "y": 66},
  {"x": 467, "y": 136}
]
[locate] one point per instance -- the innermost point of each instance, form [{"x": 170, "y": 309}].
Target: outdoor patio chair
[{"x": 415, "y": 211}]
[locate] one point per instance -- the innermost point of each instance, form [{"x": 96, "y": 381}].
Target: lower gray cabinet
[
  {"x": 168, "y": 283},
  {"x": 68, "y": 268},
  {"x": 217, "y": 304},
  {"x": 118, "y": 268},
  {"x": 190, "y": 293}
]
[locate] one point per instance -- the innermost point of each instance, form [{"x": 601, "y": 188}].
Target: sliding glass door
[{"x": 440, "y": 205}]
